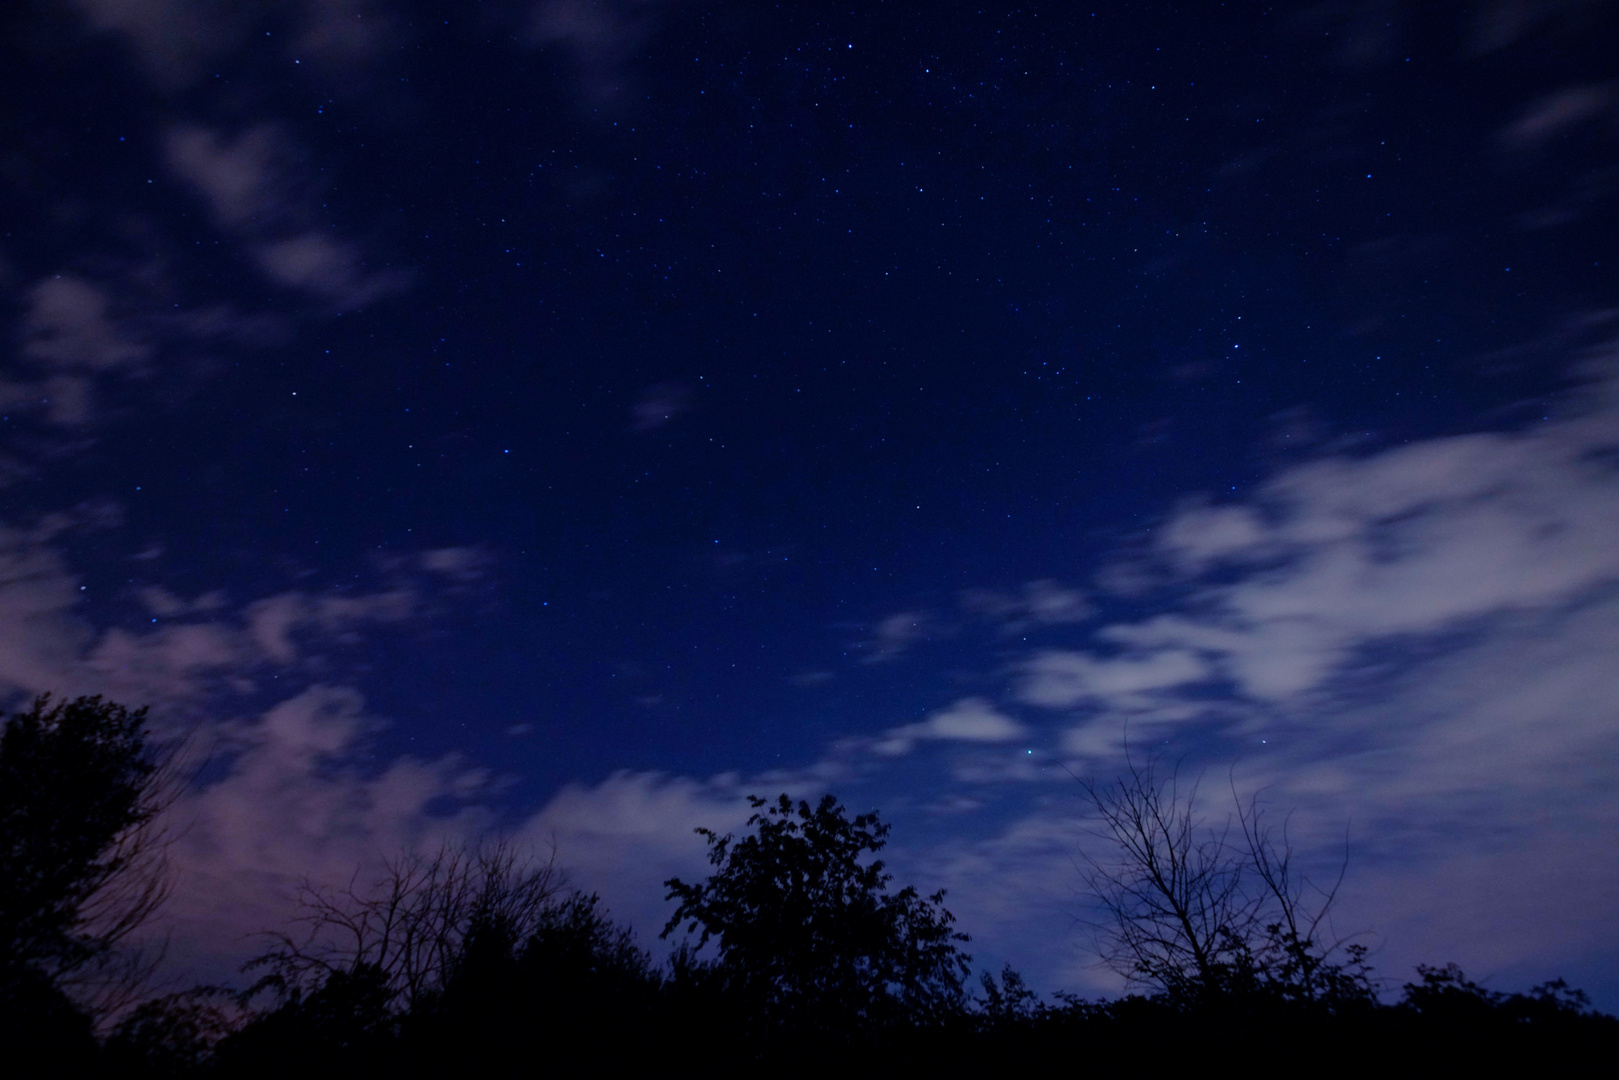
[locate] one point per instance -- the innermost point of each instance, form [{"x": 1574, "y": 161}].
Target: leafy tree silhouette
[
  {"x": 81, "y": 859},
  {"x": 809, "y": 940}
]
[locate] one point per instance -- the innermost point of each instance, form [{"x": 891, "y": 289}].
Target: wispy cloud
[
  {"x": 241, "y": 178},
  {"x": 1062, "y": 679},
  {"x": 296, "y": 803},
  {"x": 177, "y": 41},
  {"x": 1037, "y": 603},
  {"x": 894, "y": 635},
  {"x": 72, "y": 342},
  {"x": 659, "y": 405},
  {"x": 604, "y": 36},
  {"x": 293, "y": 787},
  {"x": 1343, "y": 553},
  {"x": 1415, "y": 643},
  {"x": 1557, "y": 113},
  {"x": 172, "y": 39},
  {"x": 257, "y": 191}
]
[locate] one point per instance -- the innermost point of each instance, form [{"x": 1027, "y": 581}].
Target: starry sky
[{"x": 562, "y": 418}]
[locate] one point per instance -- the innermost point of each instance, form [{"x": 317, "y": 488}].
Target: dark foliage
[
  {"x": 576, "y": 981},
  {"x": 475, "y": 961},
  {"x": 172, "y": 1035},
  {"x": 809, "y": 939},
  {"x": 339, "y": 1028},
  {"x": 1444, "y": 1004},
  {"x": 80, "y": 862},
  {"x": 572, "y": 983},
  {"x": 38, "y": 1020}
]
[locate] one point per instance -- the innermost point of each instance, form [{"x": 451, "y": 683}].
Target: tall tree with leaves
[
  {"x": 81, "y": 863},
  {"x": 808, "y": 933}
]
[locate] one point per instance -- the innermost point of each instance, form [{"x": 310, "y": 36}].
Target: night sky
[{"x": 562, "y": 418}]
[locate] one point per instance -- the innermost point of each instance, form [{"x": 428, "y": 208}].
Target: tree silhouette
[
  {"x": 409, "y": 926},
  {"x": 1201, "y": 915},
  {"x": 808, "y": 935},
  {"x": 81, "y": 857}
]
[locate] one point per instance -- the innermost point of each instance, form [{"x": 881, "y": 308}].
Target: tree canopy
[{"x": 805, "y": 925}]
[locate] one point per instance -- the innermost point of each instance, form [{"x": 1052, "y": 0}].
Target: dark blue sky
[{"x": 571, "y": 415}]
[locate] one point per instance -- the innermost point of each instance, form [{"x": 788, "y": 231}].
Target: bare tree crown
[
  {"x": 410, "y": 924},
  {"x": 1198, "y": 910}
]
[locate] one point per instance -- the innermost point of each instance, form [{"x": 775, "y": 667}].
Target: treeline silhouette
[{"x": 794, "y": 953}]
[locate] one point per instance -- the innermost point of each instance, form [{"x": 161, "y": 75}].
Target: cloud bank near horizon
[{"x": 1416, "y": 641}]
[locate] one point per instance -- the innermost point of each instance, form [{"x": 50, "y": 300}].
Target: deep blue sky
[{"x": 619, "y": 395}]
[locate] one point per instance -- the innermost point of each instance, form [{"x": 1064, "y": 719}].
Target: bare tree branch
[
  {"x": 411, "y": 922},
  {"x": 1192, "y": 913}
]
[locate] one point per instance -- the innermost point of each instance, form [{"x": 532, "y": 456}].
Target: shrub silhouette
[
  {"x": 797, "y": 956},
  {"x": 412, "y": 923},
  {"x": 341, "y": 1025},
  {"x": 577, "y": 980},
  {"x": 463, "y": 955}
]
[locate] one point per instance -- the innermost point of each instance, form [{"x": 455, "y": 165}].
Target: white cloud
[
  {"x": 1048, "y": 602},
  {"x": 1201, "y": 535},
  {"x": 293, "y": 788},
  {"x": 1345, "y": 553},
  {"x": 659, "y": 405},
  {"x": 1426, "y": 634},
  {"x": 344, "y": 33},
  {"x": 299, "y": 795},
  {"x": 1014, "y": 891},
  {"x": 1424, "y": 637},
  {"x": 1060, "y": 679},
  {"x": 204, "y": 648},
  {"x": 971, "y": 720},
  {"x": 631, "y": 832},
  {"x": 40, "y": 638}
]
